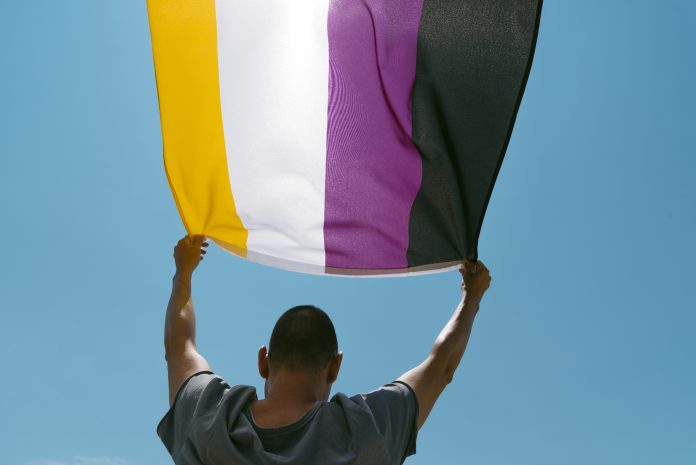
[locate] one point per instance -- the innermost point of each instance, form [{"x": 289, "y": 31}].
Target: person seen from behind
[{"x": 211, "y": 422}]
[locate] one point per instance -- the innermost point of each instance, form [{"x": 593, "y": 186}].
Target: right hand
[{"x": 475, "y": 282}]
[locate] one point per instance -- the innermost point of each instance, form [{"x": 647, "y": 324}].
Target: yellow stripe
[{"x": 184, "y": 43}]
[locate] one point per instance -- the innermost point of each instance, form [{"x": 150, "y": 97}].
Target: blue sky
[{"x": 584, "y": 348}]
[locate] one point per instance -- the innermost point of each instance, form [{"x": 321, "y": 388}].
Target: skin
[{"x": 289, "y": 394}]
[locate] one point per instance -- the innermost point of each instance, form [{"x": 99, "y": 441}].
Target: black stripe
[{"x": 472, "y": 64}]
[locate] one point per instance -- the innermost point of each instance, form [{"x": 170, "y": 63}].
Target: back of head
[{"x": 304, "y": 339}]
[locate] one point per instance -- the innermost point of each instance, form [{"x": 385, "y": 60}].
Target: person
[{"x": 210, "y": 422}]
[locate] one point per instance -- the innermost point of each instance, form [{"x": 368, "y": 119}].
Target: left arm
[{"x": 181, "y": 354}]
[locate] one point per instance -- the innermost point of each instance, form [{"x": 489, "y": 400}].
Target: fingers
[
  {"x": 198, "y": 239},
  {"x": 472, "y": 268},
  {"x": 195, "y": 240},
  {"x": 202, "y": 242},
  {"x": 188, "y": 244}
]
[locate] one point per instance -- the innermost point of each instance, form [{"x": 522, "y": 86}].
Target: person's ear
[
  {"x": 334, "y": 368},
  {"x": 263, "y": 362}
]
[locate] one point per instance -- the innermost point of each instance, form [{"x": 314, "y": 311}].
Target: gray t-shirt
[{"x": 210, "y": 423}]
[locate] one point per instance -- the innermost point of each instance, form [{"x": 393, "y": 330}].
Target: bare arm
[
  {"x": 431, "y": 377},
  {"x": 181, "y": 354}
]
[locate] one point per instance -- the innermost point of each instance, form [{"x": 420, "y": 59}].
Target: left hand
[{"x": 189, "y": 252}]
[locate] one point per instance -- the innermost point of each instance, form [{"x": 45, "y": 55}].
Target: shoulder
[
  {"x": 197, "y": 403},
  {"x": 389, "y": 403},
  {"x": 394, "y": 410},
  {"x": 396, "y": 393},
  {"x": 197, "y": 384},
  {"x": 205, "y": 388},
  {"x": 188, "y": 394}
]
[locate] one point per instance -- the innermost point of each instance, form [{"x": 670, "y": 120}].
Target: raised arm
[
  {"x": 431, "y": 377},
  {"x": 181, "y": 354}
]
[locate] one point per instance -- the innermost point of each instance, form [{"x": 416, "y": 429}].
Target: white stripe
[{"x": 274, "y": 67}]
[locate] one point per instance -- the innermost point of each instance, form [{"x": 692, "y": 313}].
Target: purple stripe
[{"x": 373, "y": 169}]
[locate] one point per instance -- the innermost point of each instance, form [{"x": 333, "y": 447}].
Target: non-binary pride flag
[{"x": 356, "y": 137}]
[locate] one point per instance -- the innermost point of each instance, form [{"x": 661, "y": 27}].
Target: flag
[{"x": 352, "y": 137}]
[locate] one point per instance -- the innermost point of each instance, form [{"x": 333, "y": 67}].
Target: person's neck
[{"x": 293, "y": 387}]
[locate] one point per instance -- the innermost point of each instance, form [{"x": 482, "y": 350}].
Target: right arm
[{"x": 430, "y": 378}]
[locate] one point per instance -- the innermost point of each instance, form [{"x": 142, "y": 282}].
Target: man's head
[{"x": 303, "y": 344}]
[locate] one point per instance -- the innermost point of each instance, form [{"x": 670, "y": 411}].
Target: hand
[
  {"x": 188, "y": 253},
  {"x": 475, "y": 282}
]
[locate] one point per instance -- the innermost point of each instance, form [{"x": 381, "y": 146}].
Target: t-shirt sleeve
[
  {"x": 395, "y": 410},
  {"x": 196, "y": 395}
]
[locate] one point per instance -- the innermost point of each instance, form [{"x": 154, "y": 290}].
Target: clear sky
[{"x": 583, "y": 352}]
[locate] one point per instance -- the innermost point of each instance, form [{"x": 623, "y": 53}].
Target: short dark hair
[{"x": 303, "y": 338}]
